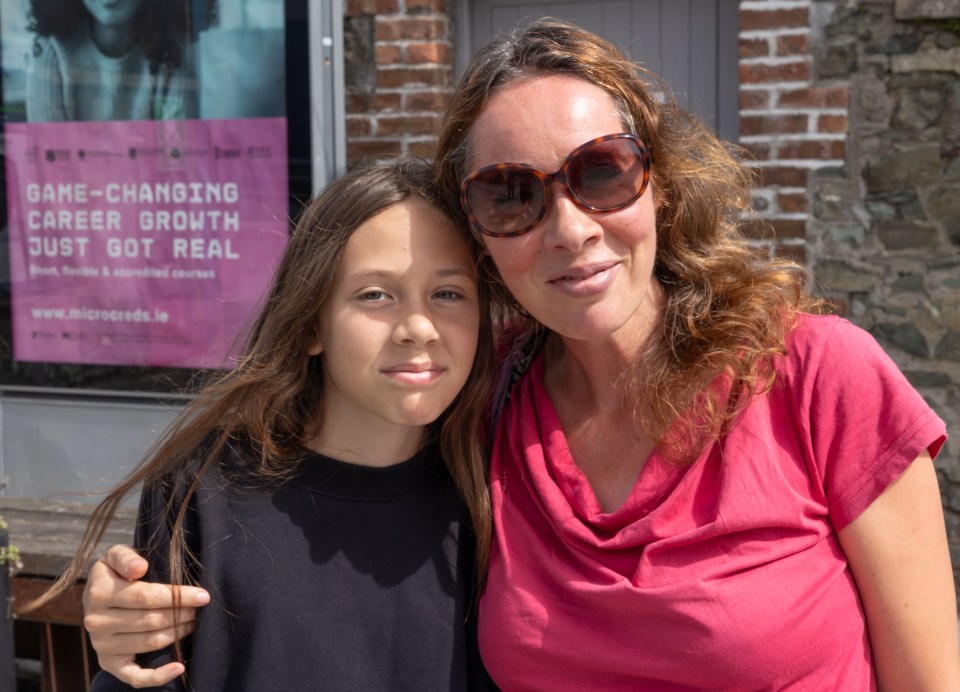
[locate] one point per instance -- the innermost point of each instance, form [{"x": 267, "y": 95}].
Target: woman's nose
[
  {"x": 567, "y": 225},
  {"x": 417, "y": 328}
]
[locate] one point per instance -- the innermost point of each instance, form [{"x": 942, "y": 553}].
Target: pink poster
[{"x": 142, "y": 242}]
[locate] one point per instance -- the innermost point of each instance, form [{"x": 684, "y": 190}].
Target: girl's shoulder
[{"x": 217, "y": 461}]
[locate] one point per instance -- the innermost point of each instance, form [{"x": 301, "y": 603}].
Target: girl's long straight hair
[{"x": 272, "y": 399}]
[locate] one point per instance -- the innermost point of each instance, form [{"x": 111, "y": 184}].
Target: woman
[
  {"x": 110, "y": 60},
  {"x": 695, "y": 484}
]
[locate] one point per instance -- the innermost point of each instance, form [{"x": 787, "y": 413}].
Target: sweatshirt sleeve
[
  {"x": 151, "y": 540},
  {"x": 868, "y": 422}
]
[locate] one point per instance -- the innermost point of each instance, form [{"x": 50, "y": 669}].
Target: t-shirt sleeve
[{"x": 868, "y": 423}]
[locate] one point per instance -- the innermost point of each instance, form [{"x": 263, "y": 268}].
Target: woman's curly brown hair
[{"x": 729, "y": 306}]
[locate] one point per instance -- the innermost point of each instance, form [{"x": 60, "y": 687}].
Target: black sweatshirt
[{"x": 343, "y": 578}]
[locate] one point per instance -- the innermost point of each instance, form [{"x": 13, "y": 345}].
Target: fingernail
[{"x": 201, "y": 598}]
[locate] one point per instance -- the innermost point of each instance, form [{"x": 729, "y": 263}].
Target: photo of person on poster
[
  {"x": 110, "y": 60},
  {"x": 170, "y": 119},
  {"x": 101, "y": 60}
]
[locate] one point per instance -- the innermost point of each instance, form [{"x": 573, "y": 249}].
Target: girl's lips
[{"x": 414, "y": 373}]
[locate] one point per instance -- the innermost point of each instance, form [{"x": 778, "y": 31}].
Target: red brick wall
[
  {"x": 789, "y": 123},
  {"x": 414, "y": 72}
]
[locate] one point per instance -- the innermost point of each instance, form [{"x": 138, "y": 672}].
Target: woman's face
[
  {"x": 112, "y": 13},
  {"x": 587, "y": 276}
]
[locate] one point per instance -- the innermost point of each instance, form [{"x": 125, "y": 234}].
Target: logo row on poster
[{"x": 53, "y": 155}]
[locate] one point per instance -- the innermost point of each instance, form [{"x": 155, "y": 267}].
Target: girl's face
[
  {"x": 398, "y": 332},
  {"x": 112, "y": 13},
  {"x": 586, "y": 276}
]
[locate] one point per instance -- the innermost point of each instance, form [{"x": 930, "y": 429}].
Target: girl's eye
[
  {"x": 448, "y": 294},
  {"x": 373, "y": 296}
]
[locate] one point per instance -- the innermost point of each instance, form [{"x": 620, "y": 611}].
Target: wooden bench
[{"x": 47, "y": 532}]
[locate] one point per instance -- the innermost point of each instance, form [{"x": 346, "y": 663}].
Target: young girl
[
  {"x": 325, "y": 491},
  {"x": 110, "y": 60}
]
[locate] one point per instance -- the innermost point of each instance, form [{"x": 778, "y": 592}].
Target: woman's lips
[{"x": 585, "y": 281}]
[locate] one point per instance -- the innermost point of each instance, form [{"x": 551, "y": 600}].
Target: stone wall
[{"x": 883, "y": 235}]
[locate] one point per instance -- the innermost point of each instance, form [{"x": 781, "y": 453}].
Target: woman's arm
[
  {"x": 125, "y": 617},
  {"x": 897, "y": 550}
]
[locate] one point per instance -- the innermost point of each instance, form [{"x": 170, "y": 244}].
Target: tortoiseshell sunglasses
[{"x": 508, "y": 199}]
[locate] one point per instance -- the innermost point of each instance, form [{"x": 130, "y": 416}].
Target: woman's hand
[
  {"x": 897, "y": 550},
  {"x": 126, "y": 617}
]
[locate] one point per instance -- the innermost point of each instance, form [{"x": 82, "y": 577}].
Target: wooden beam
[{"x": 66, "y": 609}]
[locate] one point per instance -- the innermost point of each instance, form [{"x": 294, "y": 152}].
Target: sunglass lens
[
  {"x": 505, "y": 200},
  {"x": 607, "y": 174}
]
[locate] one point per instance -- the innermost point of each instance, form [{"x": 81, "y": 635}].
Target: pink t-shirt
[{"x": 722, "y": 574}]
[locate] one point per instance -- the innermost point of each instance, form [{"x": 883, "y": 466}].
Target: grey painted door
[{"x": 691, "y": 43}]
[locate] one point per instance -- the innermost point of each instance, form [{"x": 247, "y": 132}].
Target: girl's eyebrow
[{"x": 455, "y": 271}]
